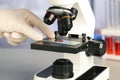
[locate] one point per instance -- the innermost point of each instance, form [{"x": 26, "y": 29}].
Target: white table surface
[{"x": 21, "y": 64}]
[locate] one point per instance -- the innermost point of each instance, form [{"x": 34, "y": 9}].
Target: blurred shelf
[
  {"x": 111, "y": 57},
  {"x": 111, "y": 31}
]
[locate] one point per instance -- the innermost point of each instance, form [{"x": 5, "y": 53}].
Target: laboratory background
[{"x": 20, "y": 63}]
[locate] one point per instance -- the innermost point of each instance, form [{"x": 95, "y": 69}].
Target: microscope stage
[{"x": 60, "y": 45}]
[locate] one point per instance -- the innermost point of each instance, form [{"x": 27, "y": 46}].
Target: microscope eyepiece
[{"x": 49, "y": 18}]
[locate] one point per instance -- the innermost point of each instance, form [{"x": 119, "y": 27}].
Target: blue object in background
[{"x": 97, "y": 36}]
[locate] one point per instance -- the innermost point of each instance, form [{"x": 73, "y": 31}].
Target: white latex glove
[{"x": 18, "y": 25}]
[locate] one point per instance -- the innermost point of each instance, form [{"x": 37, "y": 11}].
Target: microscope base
[{"x": 94, "y": 73}]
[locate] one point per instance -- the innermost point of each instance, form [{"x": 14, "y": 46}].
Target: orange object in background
[
  {"x": 117, "y": 48},
  {"x": 109, "y": 44}
]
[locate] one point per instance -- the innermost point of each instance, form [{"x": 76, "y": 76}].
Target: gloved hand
[{"x": 18, "y": 25}]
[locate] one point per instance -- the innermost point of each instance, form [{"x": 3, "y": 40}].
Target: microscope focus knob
[
  {"x": 62, "y": 69},
  {"x": 96, "y": 48}
]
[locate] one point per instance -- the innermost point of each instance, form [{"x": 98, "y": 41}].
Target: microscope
[{"x": 74, "y": 39}]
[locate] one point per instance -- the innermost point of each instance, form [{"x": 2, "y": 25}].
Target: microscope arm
[{"x": 85, "y": 21}]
